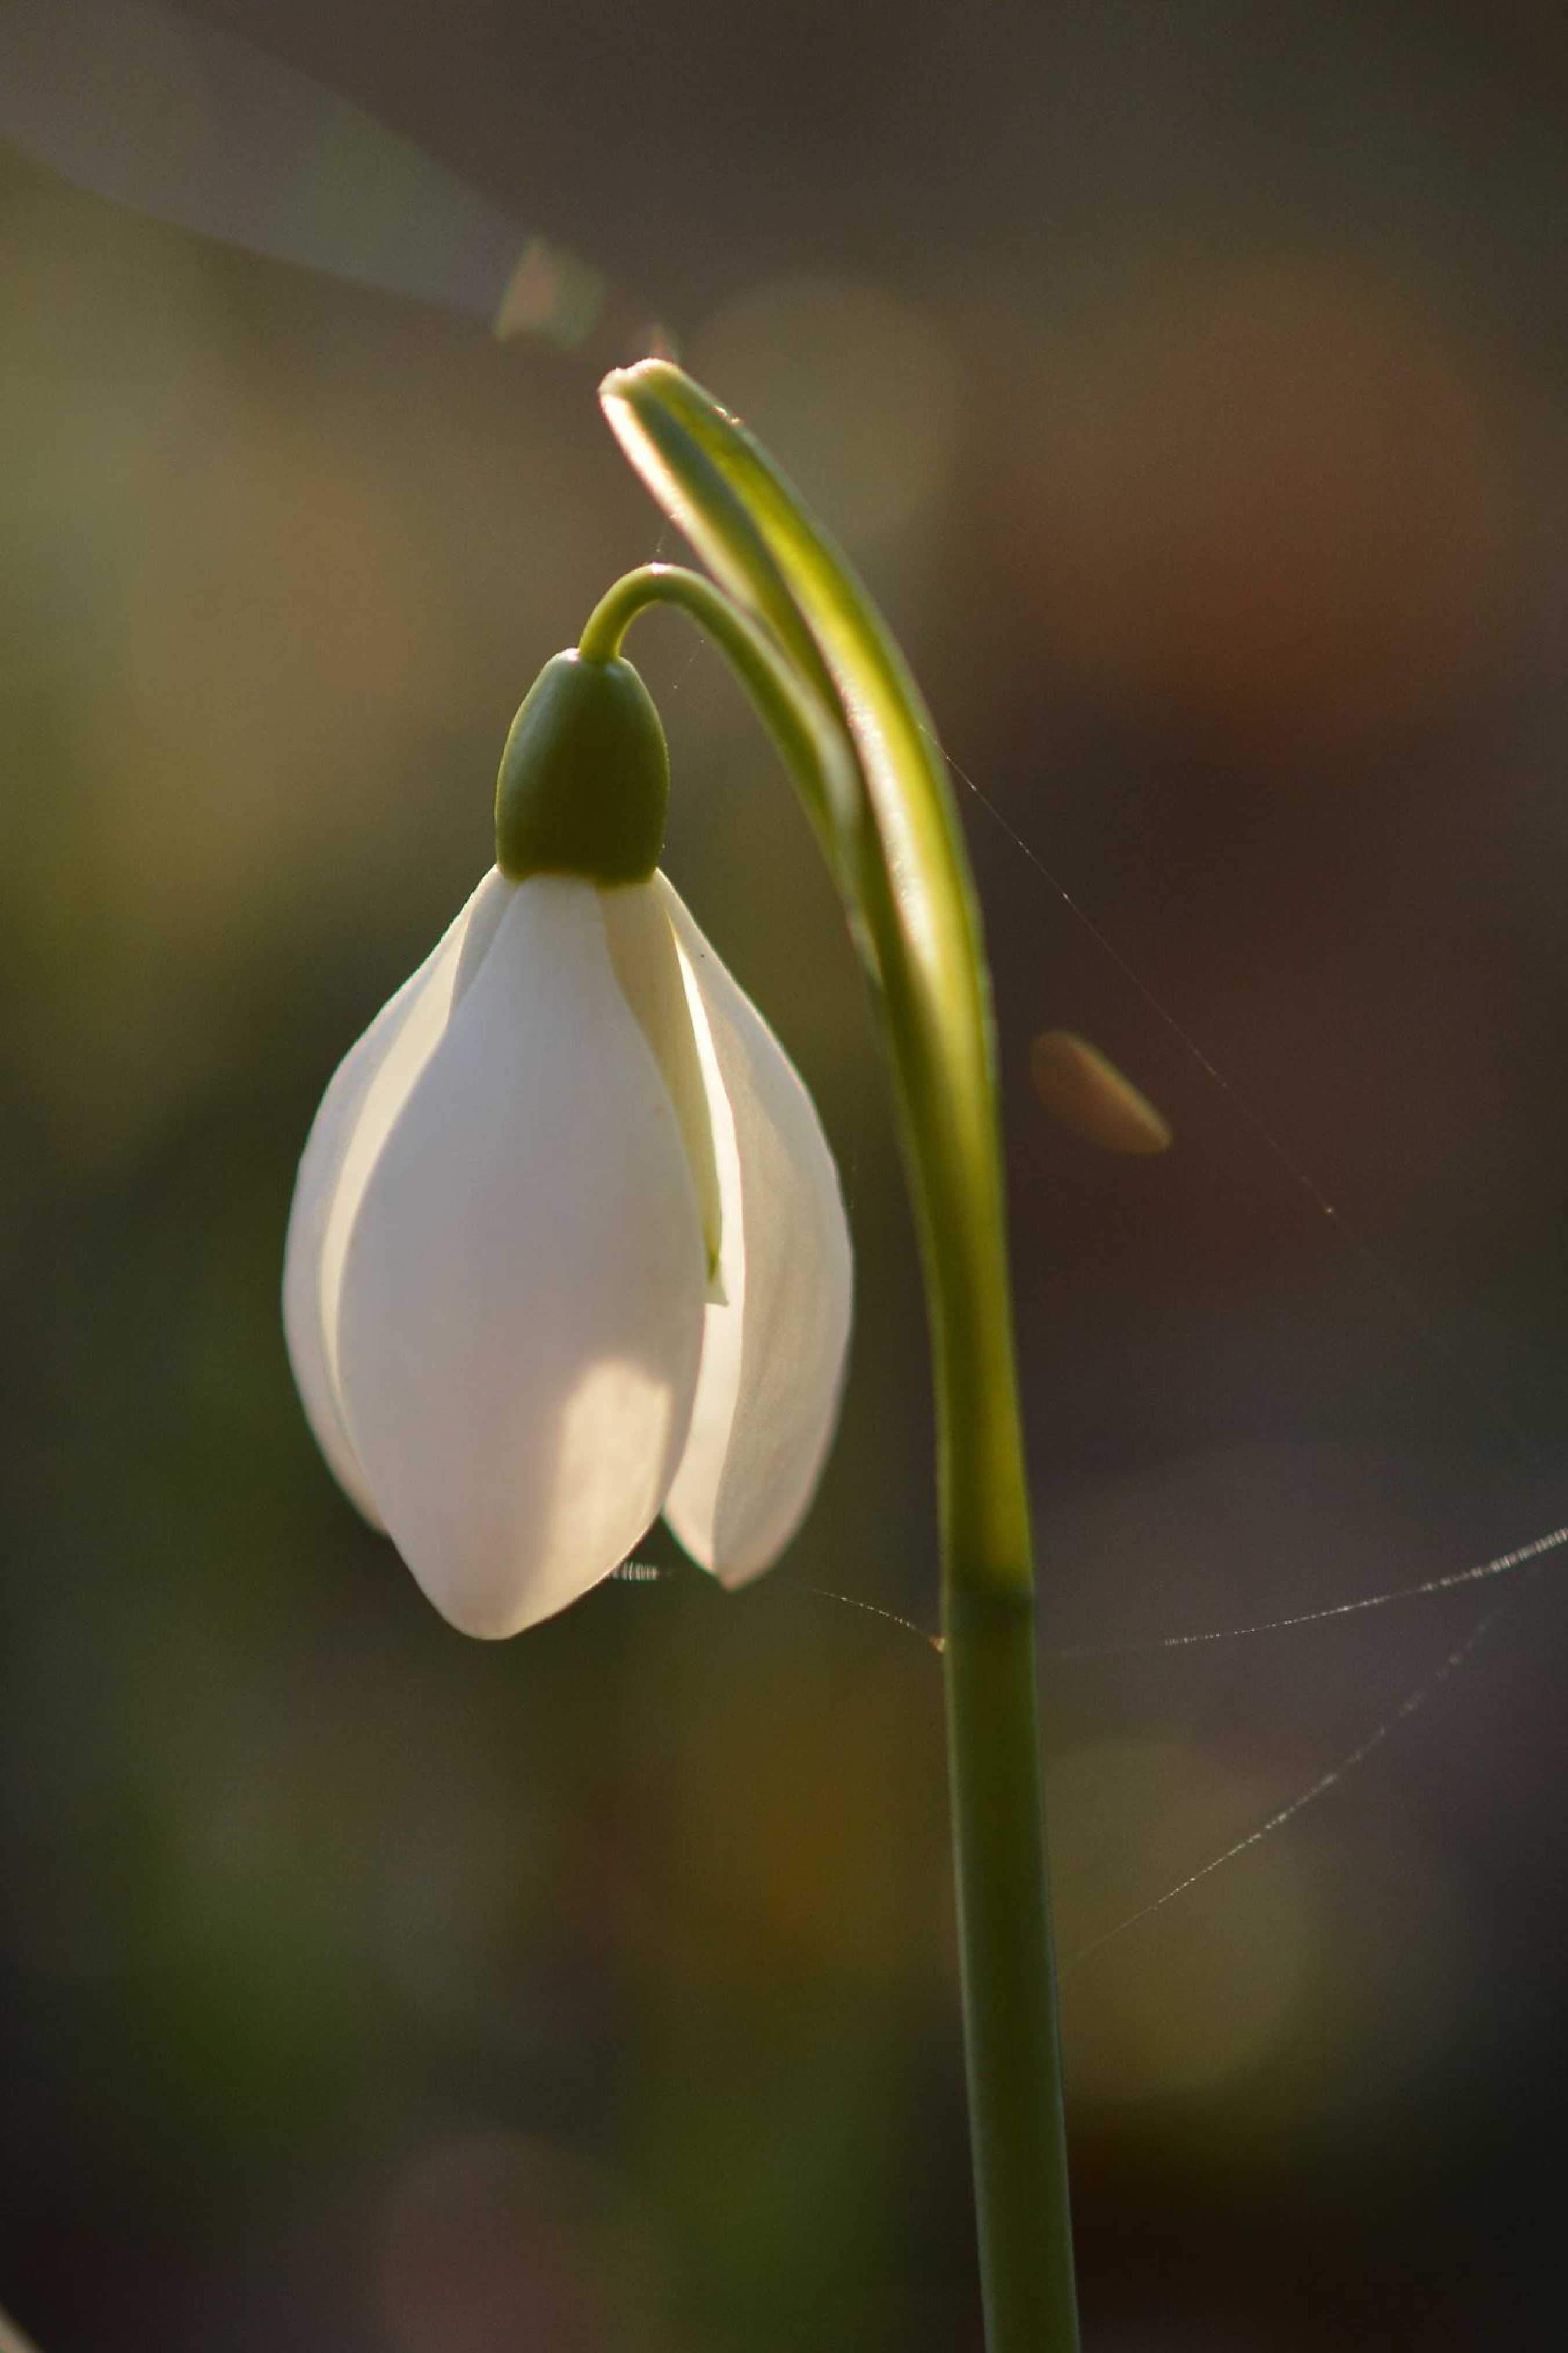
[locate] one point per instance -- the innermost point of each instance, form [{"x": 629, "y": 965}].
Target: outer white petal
[
  {"x": 368, "y": 1089},
  {"x": 522, "y": 1314},
  {"x": 773, "y": 1346}
]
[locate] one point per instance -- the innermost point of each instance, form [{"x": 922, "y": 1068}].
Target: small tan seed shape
[{"x": 1089, "y": 1095}]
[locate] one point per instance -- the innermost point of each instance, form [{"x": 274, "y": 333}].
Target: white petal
[
  {"x": 774, "y": 1347},
  {"x": 651, "y": 971},
  {"x": 366, "y": 1092},
  {"x": 521, "y": 1312}
]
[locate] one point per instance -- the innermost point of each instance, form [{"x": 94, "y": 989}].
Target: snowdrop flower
[{"x": 567, "y": 1247}]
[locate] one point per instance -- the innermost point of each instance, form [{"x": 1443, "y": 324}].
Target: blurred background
[{"x": 1188, "y": 383}]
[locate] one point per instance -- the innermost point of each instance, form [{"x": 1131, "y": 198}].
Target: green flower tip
[{"x": 585, "y": 778}]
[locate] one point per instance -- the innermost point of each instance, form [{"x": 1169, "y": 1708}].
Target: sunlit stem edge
[{"x": 1011, "y": 2035}]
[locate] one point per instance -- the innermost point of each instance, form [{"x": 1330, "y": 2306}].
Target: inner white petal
[
  {"x": 655, "y": 981},
  {"x": 724, "y": 1328}
]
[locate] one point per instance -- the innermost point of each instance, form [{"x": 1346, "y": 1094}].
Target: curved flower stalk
[
  {"x": 794, "y": 612},
  {"x": 567, "y": 1246}
]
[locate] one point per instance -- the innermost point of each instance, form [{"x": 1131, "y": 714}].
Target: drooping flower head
[{"x": 567, "y": 1246}]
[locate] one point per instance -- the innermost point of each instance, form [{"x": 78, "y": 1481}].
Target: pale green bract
[{"x": 568, "y": 1249}]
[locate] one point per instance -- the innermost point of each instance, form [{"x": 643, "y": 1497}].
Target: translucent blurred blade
[
  {"x": 196, "y": 128},
  {"x": 11, "y": 2339},
  {"x": 1085, "y": 1092}
]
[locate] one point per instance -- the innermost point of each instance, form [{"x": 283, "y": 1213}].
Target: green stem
[
  {"x": 819, "y": 764},
  {"x": 1012, "y": 2042},
  {"x": 834, "y": 696}
]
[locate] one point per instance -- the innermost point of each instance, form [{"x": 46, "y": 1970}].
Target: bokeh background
[{"x": 1188, "y": 382}]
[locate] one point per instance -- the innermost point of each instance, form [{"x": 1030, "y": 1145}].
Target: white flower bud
[{"x": 567, "y": 1248}]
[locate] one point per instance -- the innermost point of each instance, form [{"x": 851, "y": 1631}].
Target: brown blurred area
[{"x": 1189, "y": 385}]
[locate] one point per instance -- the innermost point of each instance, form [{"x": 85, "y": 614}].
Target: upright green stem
[
  {"x": 832, "y": 688},
  {"x": 1011, "y": 2035}
]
